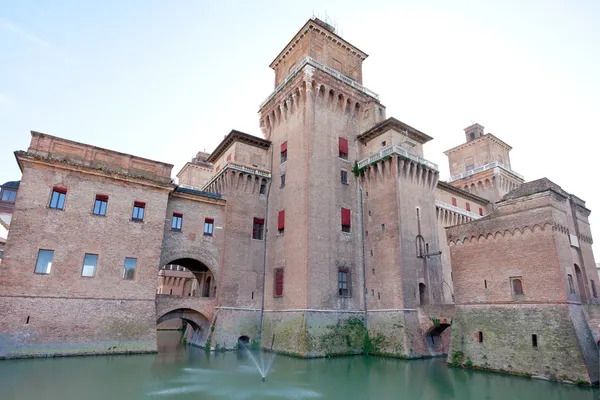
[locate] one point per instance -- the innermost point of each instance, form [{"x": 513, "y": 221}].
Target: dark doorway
[{"x": 580, "y": 284}]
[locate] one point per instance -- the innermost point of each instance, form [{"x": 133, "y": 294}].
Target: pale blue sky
[{"x": 164, "y": 79}]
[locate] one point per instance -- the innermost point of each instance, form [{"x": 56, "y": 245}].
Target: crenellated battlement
[{"x": 239, "y": 178}]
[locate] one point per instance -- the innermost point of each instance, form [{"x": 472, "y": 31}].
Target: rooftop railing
[
  {"x": 237, "y": 167},
  {"x": 389, "y": 150},
  {"x": 336, "y": 74},
  {"x": 450, "y": 207},
  {"x": 485, "y": 167}
]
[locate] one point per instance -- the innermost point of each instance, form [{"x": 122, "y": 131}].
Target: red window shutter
[
  {"x": 345, "y": 217},
  {"x": 60, "y": 190},
  {"x": 468, "y": 206},
  {"x": 284, "y": 147},
  {"x": 259, "y": 221},
  {"x": 454, "y": 201},
  {"x": 139, "y": 204},
  {"x": 281, "y": 220},
  {"x": 343, "y": 145},
  {"x": 209, "y": 220},
  {"x": 102, "y": 197},
  {"x": 480, "y": 211},
  {"x": 229, "y": 157},
  {"x": 279, "y": 282},
  {"x": 178, "y": 215}
]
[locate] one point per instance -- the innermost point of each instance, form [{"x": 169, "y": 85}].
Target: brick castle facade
[{"x": 330, "y": 235}]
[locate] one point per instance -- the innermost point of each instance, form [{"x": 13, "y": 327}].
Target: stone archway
[
  {"x": 198, "y": 324},
  {"x": 438, "y": 339},
  {"x": 199, "y": 279}
]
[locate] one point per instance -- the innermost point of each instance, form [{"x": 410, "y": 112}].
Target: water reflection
[{"x": 180, "y": 372}]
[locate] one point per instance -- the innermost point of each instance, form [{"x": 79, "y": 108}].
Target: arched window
[
  {"x": 206, "y": 292},
  {"x": 423, "y": 296},
  {"x": 517, "y": 286}
]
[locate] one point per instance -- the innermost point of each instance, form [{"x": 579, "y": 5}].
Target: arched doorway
[
  {"x": 438, "y": 339},
  {"x": 197, "y": 325},
  {"x": 243, "y": 342},
  {"x": 580, "y": 284},
  {"x": 186, "y": 277}
]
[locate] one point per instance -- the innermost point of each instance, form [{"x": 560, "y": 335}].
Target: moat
[{"x": 184, "y": 372}]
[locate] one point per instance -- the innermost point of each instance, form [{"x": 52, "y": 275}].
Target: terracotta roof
[
  {"x": 237, "y": 136},
  {"x": 393, "y": 123}
]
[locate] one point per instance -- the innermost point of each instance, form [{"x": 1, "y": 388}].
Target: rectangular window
[
  {"x": 229, "y": 157},
  {"x": 343, "y": 283},
  {"x": 278, "y": 283},
  {"x": 100, "y": 204},
  {"x": 258, "y": 228},
  {"x": 208, "y": 226},
  {"x": 480, "y": 337},
  {"x": 594, "y": 293},
  {"x": 346, "y": 220},
  {"x": 382, "y": 227},
  {"x": 571, "y": 286},
  {"x": 468, "y": 206},
  {"x": 9, "y": 195},
  {"x": 44, "y": 261},
  {"x": 176, "y": 221},
  {"x": 282, "y": 180},
  {"x": 454, "y": 201},
  {"x": 481, "y": 211},
  {"x": 129, "y": 268},
  {"x": 281, "y": 221},
  {"x": 534, "y": 340},
  {"x": 344, "y": 177},
  {"x": 343, "y": 144},
  {"x": 89, "y": 265},
  {"x": 138, "y": 211},
  {"x": 283, "y": 152},
  {"x": 58, "y": 198}
]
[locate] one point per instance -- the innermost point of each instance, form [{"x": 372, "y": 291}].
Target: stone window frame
[
  {"x": 512, "y": 287},
  {"x": 344, "y": 278}
]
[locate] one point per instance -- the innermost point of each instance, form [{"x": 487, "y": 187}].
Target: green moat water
[{"x": 182, "y": 372}]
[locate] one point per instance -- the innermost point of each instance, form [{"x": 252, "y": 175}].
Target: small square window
[
  {"x": 89, "y": 265},
  {"x": 282, "y": 180},
  {"x": 176, "y": 222},
  {"x": 344, "y": 177},
  {"x": 44, "y": 262},
  {"x": 383, "y": 144},
  {"x": 258, "y": 228},
  {"x": 9, "y": 195},
  {"x": 138, "y": 211},
  {"x": 100, "y": 204},
  {"x": 57, "y": 200},
  {"x": 208, "y": 226},
  {"x": 129, "y": 268}
]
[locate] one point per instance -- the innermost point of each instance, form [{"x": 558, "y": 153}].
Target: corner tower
[
  {"x": 482, "y": 166},
  {"x": 314, "y": 276}
]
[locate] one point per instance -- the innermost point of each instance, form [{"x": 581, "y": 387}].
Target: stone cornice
[
  {"x": 487, "y": 136},
  {"x": 461, "y": 192},
  {"x": 399, "y": 126},
  {"x": 25, "y": 157},
  {"x": 199, "y": 198},
  {"x": 312, "y": 24}
]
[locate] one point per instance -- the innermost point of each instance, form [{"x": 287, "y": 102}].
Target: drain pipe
[
  {"x": 364, "y": 266},
  {"x": 262, "y": 307}
]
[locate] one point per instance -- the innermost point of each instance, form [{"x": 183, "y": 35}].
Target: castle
[{"x": 330, "y": 235}]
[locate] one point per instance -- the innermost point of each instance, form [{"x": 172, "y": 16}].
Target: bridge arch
[
  {"x": 198, "y": 324},
  {"x": 205, "y": 277}
]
